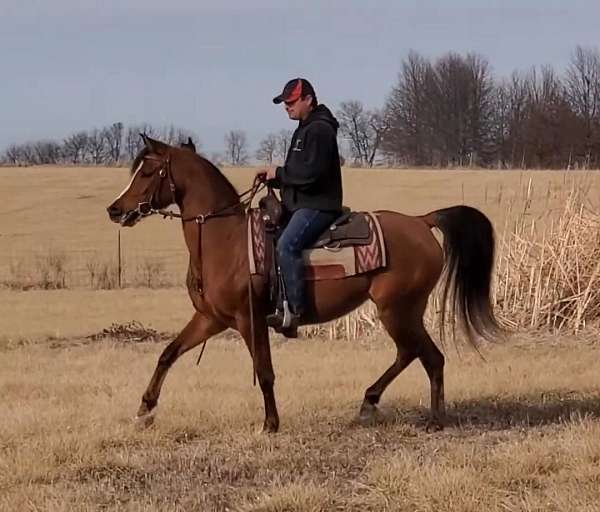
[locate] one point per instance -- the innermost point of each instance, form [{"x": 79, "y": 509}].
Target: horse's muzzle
[
  {"x": 114, "y": 212},
  {"x": 126, "y": 219}
]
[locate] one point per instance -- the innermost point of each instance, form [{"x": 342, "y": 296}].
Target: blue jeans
[{"x": 303, "y": 229}]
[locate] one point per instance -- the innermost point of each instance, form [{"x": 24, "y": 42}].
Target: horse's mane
[
  {"x": 228, "y": 185},
  {"x": 223, "y": 178}
]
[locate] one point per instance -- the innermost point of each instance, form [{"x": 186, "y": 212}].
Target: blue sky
[{"x": 75, "y": 64}]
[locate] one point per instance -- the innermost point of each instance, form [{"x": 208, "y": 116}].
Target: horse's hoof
[
  {"x": 143, "y": 421},
  {"x": 270, "y": 427},
  {"x": 434, "y": 426},
  {"x": 367, "y": 414}
]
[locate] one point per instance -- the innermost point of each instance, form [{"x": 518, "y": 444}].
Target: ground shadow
[{"x": 493, "y": 413}]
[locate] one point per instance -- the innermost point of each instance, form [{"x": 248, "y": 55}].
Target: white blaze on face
[{"x": 130, "y": 181}]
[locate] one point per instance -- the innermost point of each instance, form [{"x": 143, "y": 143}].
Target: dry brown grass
[
  {"x": 549, "y": 268},
  {"x": 524, "y": 431},
  {"x": 49, "y": 210},
  {"x": 546, "y": 221}
]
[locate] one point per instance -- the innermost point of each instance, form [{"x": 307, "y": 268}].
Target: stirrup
[
  {"x": 287, "y": 315},
  {"x": 282, "y": 318}
]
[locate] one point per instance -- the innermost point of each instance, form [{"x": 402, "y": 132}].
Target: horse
[
  {"x": 188, "y": 145},
  {"x": 225, "y": 295}
]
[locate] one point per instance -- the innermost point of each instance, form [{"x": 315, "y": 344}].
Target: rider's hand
[{"x": 267, "y": 173}]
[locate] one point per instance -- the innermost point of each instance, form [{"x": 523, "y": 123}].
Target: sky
[{"x": 68, "y": 65}]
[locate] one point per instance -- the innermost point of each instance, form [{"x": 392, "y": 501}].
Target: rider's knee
[{"x": 285, "y": 248}]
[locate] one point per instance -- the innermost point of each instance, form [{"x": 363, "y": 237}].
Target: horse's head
[{"x": 151, "y": 186}]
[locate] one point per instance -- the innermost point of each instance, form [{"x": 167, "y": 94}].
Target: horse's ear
[
  {"x": 188, "y": 145},
  {"x": 154, "y": 146},
  {"x": 148, "y": 142}
]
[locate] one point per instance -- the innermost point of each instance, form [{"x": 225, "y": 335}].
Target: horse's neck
[
  {"x": 206, "y": 192},
  {"x": 209, "y": 192},
  {"x": 219, "y": 242}
]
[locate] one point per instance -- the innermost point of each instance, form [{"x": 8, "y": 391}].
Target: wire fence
[{"x": 118, "y": 266}]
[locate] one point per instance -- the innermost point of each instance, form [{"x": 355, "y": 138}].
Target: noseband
[{"x": 146, "y": 208}]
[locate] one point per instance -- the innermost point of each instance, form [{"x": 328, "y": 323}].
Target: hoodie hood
[{"x": 322, "y": 113}]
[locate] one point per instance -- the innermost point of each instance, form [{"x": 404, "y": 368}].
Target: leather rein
[{"x": 145, "y": 208}]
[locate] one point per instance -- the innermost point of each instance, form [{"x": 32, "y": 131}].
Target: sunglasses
[{"x": 291, "y": 103}]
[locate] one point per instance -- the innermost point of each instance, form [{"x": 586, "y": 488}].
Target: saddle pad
[{"x": 321, "y": 263}]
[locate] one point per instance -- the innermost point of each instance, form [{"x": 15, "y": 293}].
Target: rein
[{"x": 145, "y": 209}]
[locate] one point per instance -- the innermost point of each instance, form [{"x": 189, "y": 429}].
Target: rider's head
[{"x": 299, "y": 98}]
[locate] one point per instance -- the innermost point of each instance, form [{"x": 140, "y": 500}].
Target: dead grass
[
  {"x": 548, "y": 269},
  {"x": 66, "y": 211},
  {"x": 524, "y": 431}
]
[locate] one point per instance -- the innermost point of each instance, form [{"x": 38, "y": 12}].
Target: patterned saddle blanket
[{"x": 353, "y": 247}]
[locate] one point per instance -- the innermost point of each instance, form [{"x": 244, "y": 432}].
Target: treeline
[
  {"x": 445, "y": 112},
  {"x": 452, "y": 111},
  {"x": 111, "y": 145}
]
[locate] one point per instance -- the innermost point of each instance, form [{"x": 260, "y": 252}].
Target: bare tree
[
  {"x": 133, "y": 141},
  {"x": 354, "y": 125},
  {"x": 13, "y": 155},
  {"x": 96, "y": 147},
  {"x": 236, "y": 147},
  {"x": 75, "y": 147},
  {"x": 411, "y": 115},
  {"x": 267, "y": 148},
  {"x": 440, "y": 114},
  {"x": 463, "y": 105},
  {"x": 378, "y": 127},
  {"x": 284, "y": 138},
  {"x": 174, "y": 135},
  {"x": 582, "y": 85},
  {"x": 500, "y": 124},
  {"x": 28, "y": 153},
  {"x": 551, "y": 131},
  {"x": 46, "y": 152},
  {"x": 364, "y": 128},
  {"x": 113, "y": 136}
]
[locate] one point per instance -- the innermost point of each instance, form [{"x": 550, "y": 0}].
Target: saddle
[
  {"x": 352, "y": 245},
  {"x": 349, "y": 229}
]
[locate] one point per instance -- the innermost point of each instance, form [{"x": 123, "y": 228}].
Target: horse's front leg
[
  {"x": 260, "y": 351},
  {"x": 199, "y": 329}
]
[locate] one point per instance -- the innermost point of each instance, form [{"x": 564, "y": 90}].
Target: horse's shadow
[{"x": 493, "y": 413}]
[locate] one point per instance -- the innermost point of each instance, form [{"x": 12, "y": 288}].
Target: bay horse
[{"x": 215, "y": 230}]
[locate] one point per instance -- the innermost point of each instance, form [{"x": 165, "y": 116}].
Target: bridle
[{"x": 146, "y": 208}]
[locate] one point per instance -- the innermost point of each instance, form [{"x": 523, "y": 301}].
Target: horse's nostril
[{"x": 113, "y": 210}]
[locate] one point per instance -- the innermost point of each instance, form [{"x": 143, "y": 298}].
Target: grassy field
[
  {"x": 523, "y": 434},
  {"x": 62, "y": 211},
  {"x": 524, "y": 425}
]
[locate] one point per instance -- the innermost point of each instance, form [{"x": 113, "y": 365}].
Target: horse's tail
[{"x": 469, "y": 257}]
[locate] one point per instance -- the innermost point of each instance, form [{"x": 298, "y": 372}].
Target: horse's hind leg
[
  {"x": 199, "y": 329},
  {"x": 433, "y": 362},
  {"x": 407, "y": 350},
  {"x": 412, "y": 341}
]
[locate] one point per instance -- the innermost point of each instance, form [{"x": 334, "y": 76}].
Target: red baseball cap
[{"x": 294, "y": 89}]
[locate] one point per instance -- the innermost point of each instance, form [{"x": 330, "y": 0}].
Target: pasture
[{"x": 524, "y": 428}]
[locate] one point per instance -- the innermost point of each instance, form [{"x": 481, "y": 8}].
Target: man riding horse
[{"x": 310, "y": 182}]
